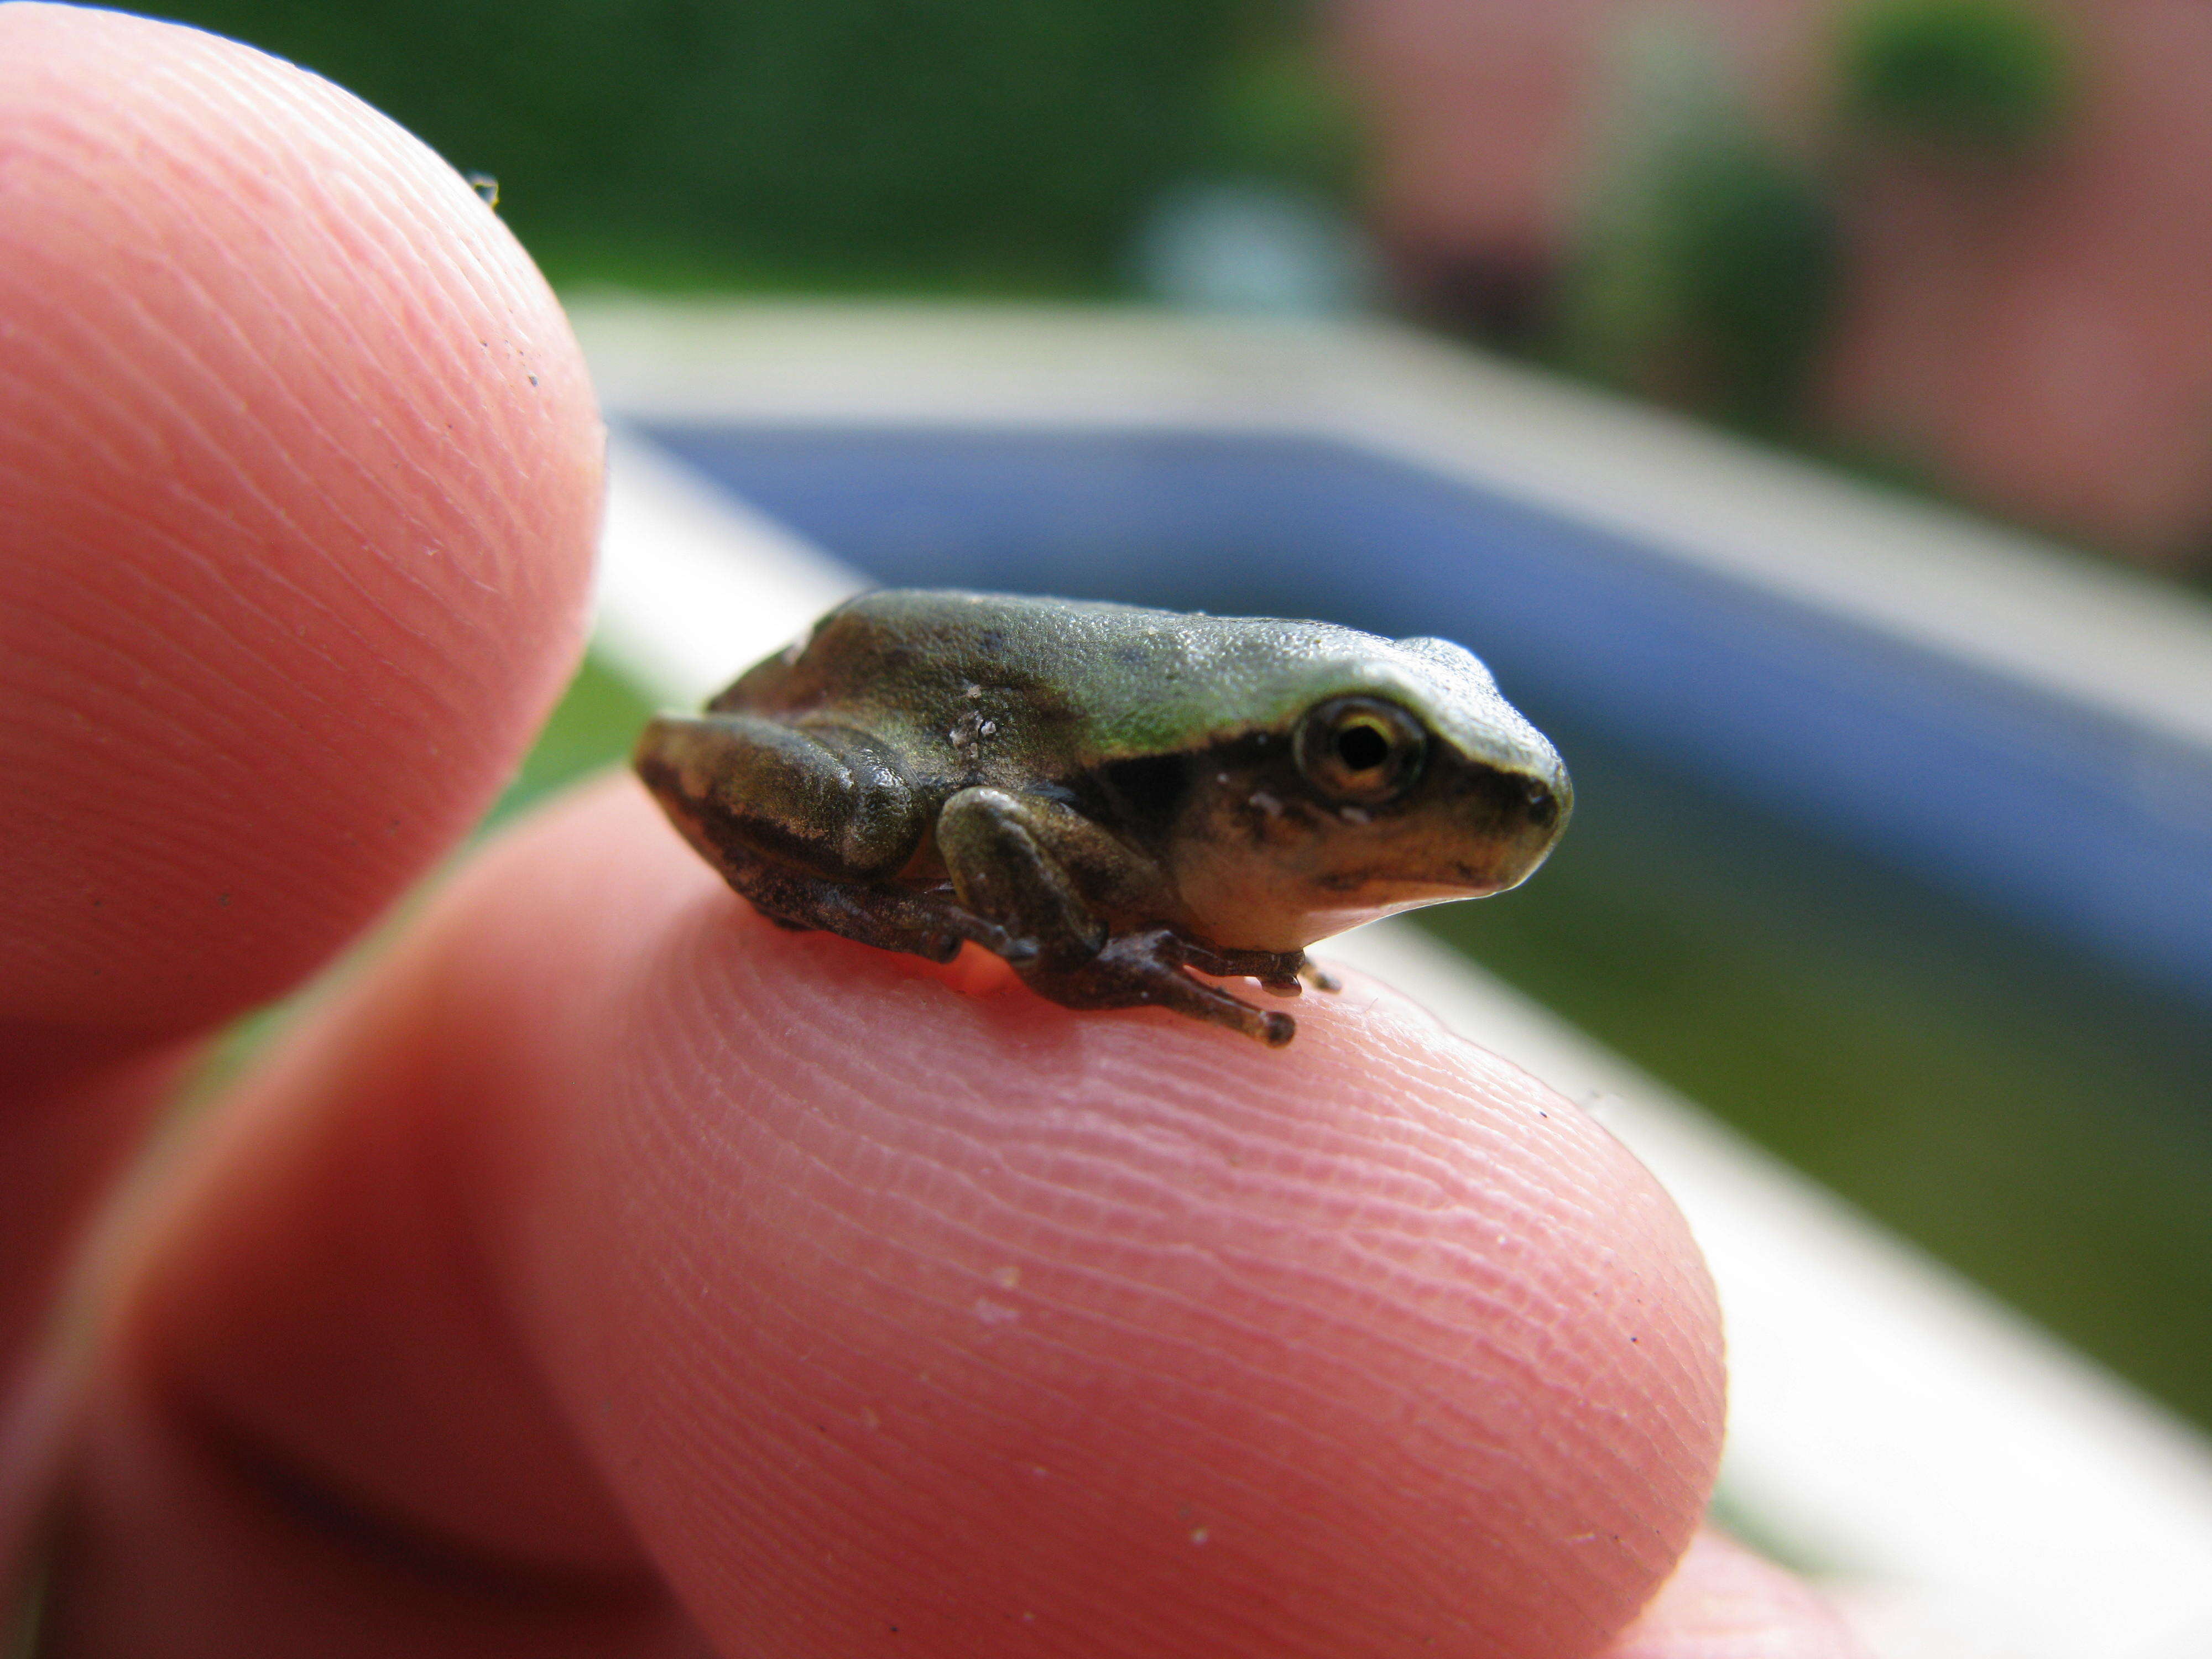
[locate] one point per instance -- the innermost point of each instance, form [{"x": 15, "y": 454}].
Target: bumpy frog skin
[{"x": 1106, "y": 796}]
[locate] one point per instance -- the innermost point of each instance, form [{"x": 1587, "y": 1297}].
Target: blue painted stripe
[{"x": 2059, "y": 815}]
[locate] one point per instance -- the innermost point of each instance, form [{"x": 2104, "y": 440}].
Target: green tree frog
[{"x": 1106, "y": 796}]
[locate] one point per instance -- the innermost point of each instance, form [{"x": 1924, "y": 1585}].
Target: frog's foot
[
  {"x": 1283, "y": 972},
  {"x": 1316, "y": 976},
  {"x": 1278, "y": 970},
  {"x": 1137, "y": 970},
  {"x": 1009, "y": 859}
]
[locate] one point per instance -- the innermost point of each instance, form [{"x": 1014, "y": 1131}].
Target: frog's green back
[{"x": 1081, "y": 684}]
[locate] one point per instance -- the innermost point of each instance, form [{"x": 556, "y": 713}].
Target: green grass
[{"x": 593, "y": 725}]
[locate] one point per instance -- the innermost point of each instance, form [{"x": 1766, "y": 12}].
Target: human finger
[
  {"x": 613, "y": 1235},
  {"x": 1724, "y": 1603},
  {"x": 298, "y": 488},
  {"x": 299, "y": 468}
]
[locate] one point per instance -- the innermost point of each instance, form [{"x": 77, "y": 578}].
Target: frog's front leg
[
  {"x": 1012, "y": 860},
  {"x": 1281, "y": 971},
  {"x": 1286, "y": 973}
]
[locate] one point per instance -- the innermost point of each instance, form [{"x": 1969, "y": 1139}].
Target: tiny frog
[{"x": 1106, "y": 796}]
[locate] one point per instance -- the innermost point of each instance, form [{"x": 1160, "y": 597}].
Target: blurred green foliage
[
  {"x": 1280, "y": 116},
  {"x": 1758, "y": 249},
  {"x": 593, "y": 726},
  {"x": 1707, "y": 269},
  {"x": 1992, "y": 75},
  {"x": 1720, "y": 293},
  {"x": 1005, "y": 145}
]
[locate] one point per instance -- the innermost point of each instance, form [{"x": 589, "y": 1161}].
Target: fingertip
[
  {"x": 1118, "y": 1319},
  {"x": 299, "y": 473},
  {"x": 1724, "y": 1603}
]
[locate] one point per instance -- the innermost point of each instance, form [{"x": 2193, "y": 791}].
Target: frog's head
[{"x": 1376, "y": 779}]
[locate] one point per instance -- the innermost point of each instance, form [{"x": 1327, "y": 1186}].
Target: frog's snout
[
  {"x": 1543, "y": 805},
  {"x": 1516, "y": 816}
]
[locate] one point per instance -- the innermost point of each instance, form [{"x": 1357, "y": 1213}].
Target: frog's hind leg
[
  {"x": 822, "y": 800},
  {"x": 808, "y": 825}
]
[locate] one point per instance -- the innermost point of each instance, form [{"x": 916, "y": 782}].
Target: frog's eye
[{"x": 1360, "y": 750}]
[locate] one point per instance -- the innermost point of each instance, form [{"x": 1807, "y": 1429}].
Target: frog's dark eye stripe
[{"x": 1360, "y": 750}]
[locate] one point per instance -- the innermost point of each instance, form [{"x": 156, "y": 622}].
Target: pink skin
[{"x": 601, "y": 1271}]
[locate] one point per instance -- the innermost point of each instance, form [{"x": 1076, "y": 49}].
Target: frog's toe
[
  {"x": 1215, "y": 1006},
  {"x": 1276, "y": 970},
  {"x": 1152, "y": 963},
  {"x": 1319, "y": 977}
]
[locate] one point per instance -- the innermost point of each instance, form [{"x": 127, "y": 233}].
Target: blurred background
[
  {"x": 1958, "y": 249},
  {"x": 1961, "y": 243}
]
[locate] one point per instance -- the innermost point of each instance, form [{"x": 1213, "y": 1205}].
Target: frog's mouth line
[{"x": 1407, "y": 893}]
